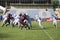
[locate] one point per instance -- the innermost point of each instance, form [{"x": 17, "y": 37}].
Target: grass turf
[{"x": 9, "y": 33}]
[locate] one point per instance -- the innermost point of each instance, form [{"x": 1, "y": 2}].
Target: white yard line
[{"x": 47, "y": 34}]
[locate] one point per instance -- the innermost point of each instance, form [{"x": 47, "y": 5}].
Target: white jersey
[
  {"x": 5, "y": 16},
  {"x": 39, "y": 20},
  {"x": 54, "y": 20},
  {"x": 17, "y": 17}
]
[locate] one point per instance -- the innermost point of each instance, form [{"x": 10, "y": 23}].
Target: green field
[{"x": 49, "y": 33}]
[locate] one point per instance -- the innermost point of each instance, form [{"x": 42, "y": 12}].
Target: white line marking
[{"x": 47, "y": 33}]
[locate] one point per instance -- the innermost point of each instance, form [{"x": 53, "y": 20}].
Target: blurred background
[{"x": 32, "y": 7}]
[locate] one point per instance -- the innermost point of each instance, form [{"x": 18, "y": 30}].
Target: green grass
[{"x": 9, "y": 33}]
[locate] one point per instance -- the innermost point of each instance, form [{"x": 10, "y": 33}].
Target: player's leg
[
  {"x": 4, "y": 22},
  {"x": 18, "y": 24},
  {"x": 12, "y": 22},
  {"x": 39, "y": 22},
  {"x": 7, "y": 22},
  {"x": 21, "y": 25},
  {"x": 26, "y": 23},
  {"x": 30, "y": 24},
  {"x": 55, "y": 24}
]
